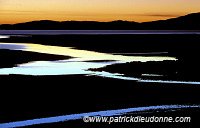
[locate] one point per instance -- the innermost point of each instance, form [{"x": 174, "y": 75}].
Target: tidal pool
[{"x": 81, "y": 62}]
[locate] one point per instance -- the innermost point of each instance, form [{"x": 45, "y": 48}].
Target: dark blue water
[
  {"x": 100, "y": 113},
  {"x": 94, "y": 32}
]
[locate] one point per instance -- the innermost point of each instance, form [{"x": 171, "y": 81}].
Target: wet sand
[
  {"x": 10, "y": 58},
  {"x": 30, "y": 97},
  {"x": 80, "y": 123},
  {"x": 175, "y": 45},
  {"x": 163, "y": 70}
]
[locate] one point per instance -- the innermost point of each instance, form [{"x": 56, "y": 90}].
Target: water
[
  {"x": 81, "y": 62},
  {"x": 4, "y": 36},
  {"x": 100, "y": 113},
  {"x": 94, "y": 32}
]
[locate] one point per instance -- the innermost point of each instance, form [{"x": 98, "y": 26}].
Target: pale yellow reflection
[{"x": 84, "y": 55}]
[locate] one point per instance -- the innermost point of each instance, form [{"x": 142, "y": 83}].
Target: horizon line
[{"x": 94, "y": 20}]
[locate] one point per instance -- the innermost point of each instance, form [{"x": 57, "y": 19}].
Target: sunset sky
[{"x": 16, "y": 11}]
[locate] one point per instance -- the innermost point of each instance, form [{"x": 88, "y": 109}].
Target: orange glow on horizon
[{"x": 15, "y": 11}]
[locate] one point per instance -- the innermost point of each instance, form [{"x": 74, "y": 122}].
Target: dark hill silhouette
[{"x": 188, "y": 22}]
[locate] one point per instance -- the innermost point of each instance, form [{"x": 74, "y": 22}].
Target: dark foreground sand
[
  {"x": 29, "y": 97},
  {"x": 10, "y": 58}
]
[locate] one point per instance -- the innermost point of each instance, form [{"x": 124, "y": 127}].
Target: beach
[{"x": 129, "y": 84}]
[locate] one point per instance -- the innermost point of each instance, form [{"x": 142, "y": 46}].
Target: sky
[{"x": 17, "y": 11}]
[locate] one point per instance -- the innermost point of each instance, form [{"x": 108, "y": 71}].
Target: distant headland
[{"x": 187, "y": 22}]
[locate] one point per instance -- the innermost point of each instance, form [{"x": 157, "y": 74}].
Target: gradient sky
[{"x": 16, "y": 11}]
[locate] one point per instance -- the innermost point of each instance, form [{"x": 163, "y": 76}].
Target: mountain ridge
[{"x": 187, "y": 22}]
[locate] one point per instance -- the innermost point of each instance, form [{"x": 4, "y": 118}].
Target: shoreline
[
  {"x": 167, "y": 70},
  {"x": 135, "y": 112},
  {"x": 11, "y": 58},
  {"x": 49, "y": 96},
  {"x": 30, "y": 97},
  {"x": 96, "y": 32}
]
